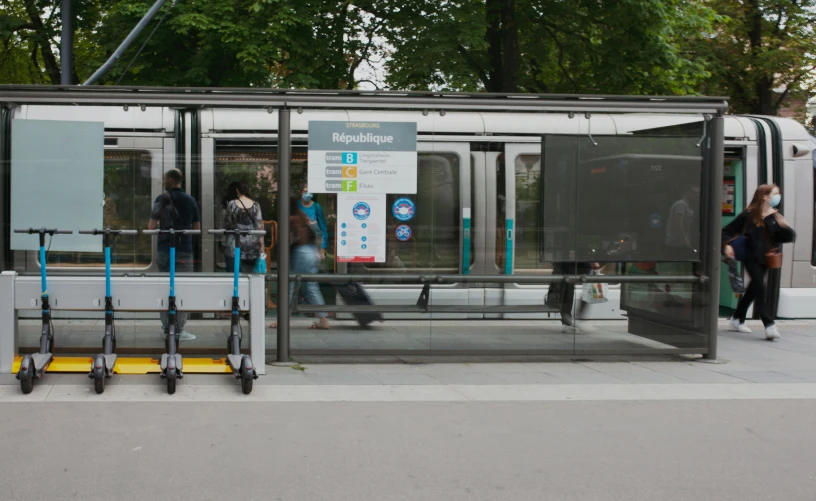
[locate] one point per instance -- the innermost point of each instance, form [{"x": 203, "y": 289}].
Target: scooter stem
[{"x": 43, "y": 284}]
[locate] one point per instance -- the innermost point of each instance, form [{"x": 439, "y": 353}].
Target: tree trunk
[
  {"x": 511, "y": 52},
  {"x": 495, "y": 41},
  {"x": 51, "y": 66},
  {"x": 762, "y": 102},
  {"x": 502, "y": 40}
]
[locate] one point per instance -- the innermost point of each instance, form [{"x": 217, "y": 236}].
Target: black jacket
[{"x": 757, "y": 241}]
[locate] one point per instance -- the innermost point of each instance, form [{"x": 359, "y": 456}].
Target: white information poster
[
  {"x": 360, "y": 228},
  {"x": 362, "y": 157}
]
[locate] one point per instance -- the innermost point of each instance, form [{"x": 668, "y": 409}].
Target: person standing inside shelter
[
  {"x": 682, "y": 224},
  {"x": 177, "y": 210},
  {"x": 243, "y": 213}
]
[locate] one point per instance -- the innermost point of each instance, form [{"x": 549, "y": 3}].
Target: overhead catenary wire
[
  {"x": 126, "y": 43},
  {"x": 139, "y": 52}
]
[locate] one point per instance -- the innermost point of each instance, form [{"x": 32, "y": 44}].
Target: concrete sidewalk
[{"x": 749, "y": 367}]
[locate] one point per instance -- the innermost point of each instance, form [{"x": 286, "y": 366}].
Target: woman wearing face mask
[
  {"x": 315, "y": 214},
  {"x": 764, "y": 229}
]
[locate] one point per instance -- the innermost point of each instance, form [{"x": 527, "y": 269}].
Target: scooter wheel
[
  {"x": 246, "y": 384},
  {"x": 27, "y": 380},
  {"x": 99, "y": 382},
  {"x": 171, "y": 384}
]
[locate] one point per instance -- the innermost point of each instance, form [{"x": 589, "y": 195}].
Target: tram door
[
  {"x": 520, "y": 236},
  {"x": 733, "y": 202}
]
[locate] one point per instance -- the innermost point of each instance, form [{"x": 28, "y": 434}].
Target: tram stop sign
[{"x": 362, "y": 157}]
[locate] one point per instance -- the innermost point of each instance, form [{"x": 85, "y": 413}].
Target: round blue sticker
[
  {"x": 403, "y": 233},
  {"x": 655, "y": 220},
  {"x": 403, "y": 209},
  {"x": 361, "y": 210}
]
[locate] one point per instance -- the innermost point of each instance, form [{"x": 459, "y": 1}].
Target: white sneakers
[
  {"x": 738, "y": 326},
  {"x": 771, "y": 332}
]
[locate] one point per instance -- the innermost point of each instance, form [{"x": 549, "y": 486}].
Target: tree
[
  {"x": 29, "y": 33},
  {"x": 761, "y": 52},
  {"x": 629, "y": 46}
]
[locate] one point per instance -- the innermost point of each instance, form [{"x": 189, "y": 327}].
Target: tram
[{"x": 488, "y": 186}]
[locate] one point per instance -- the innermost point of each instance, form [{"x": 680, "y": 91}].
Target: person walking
[
  {"x": 567, "y": 296},
  {"x": 305, "y": 236},
  {"x": 314, "y": 212},
  {"x": 763, "y": 230}
]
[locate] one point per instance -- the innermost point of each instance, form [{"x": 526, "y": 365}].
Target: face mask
[
  {"x": 307, "y": 197},
  {"x": 775, "y": 199}
]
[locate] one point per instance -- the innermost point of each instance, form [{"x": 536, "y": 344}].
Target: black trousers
[
  {"x": 755, "y": 293},
  {"x": 568, "y": 296}
]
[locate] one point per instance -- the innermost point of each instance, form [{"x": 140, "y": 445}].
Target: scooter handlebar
[
  {"x": 237, "y": 232},
  {"x": 180, "y": 232},
  {"x": 110, "y": 232},
  {"x": 37, "y": 231}
]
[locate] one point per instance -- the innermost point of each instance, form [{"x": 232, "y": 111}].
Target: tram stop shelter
[{"x": 468, "y": 218}]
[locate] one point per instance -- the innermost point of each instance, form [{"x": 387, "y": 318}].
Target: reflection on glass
[
  {"x": 435, "y": 227},
  {"x": 628, "y": 198},
  {"x": 128, "y": 202}
]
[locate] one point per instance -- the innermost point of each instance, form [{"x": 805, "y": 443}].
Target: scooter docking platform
[{"x": 133, "y": 365}]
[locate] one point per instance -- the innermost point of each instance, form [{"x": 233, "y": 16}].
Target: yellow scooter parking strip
[{"x": 134, "y": 365}]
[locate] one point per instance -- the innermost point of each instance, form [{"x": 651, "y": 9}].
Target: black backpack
[{"x": 168, "y": 213}]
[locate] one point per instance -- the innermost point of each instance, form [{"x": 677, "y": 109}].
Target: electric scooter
[
  {"x": 34, "y": 365},
  {"x": 241, "y": 365},
  {"x": 102, "y": 365},
  {"x": 171, "y": 365}
]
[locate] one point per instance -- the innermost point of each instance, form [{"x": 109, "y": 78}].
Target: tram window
[
  {"x": 528, "y": 224},
  {"x": 128, "y": 202},
  {"x": 435, "y": 243},
  {"x": 501, "y": 212},
  {"x": 529, "y": 238}
]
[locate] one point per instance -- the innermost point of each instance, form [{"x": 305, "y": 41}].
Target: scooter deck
[{"x": 127, "y": 365}]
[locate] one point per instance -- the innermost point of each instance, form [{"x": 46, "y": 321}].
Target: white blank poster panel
[{"x": 57, "y": 170}]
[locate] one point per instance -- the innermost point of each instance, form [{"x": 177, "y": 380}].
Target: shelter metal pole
[
  {"x": 284, "y": 172},
  {"x": 67, "y": 44},
  {"x": 715, "y": 150}
]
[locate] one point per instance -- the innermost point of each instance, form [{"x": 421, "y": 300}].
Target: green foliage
[
  {"x": 761, "y": 52},
  {"x": 629, "y": 46}
]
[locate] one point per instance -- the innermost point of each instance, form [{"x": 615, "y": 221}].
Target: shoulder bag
[
  {"x": 740, "y": 244},
  {"x": 773, "y": 258}
]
